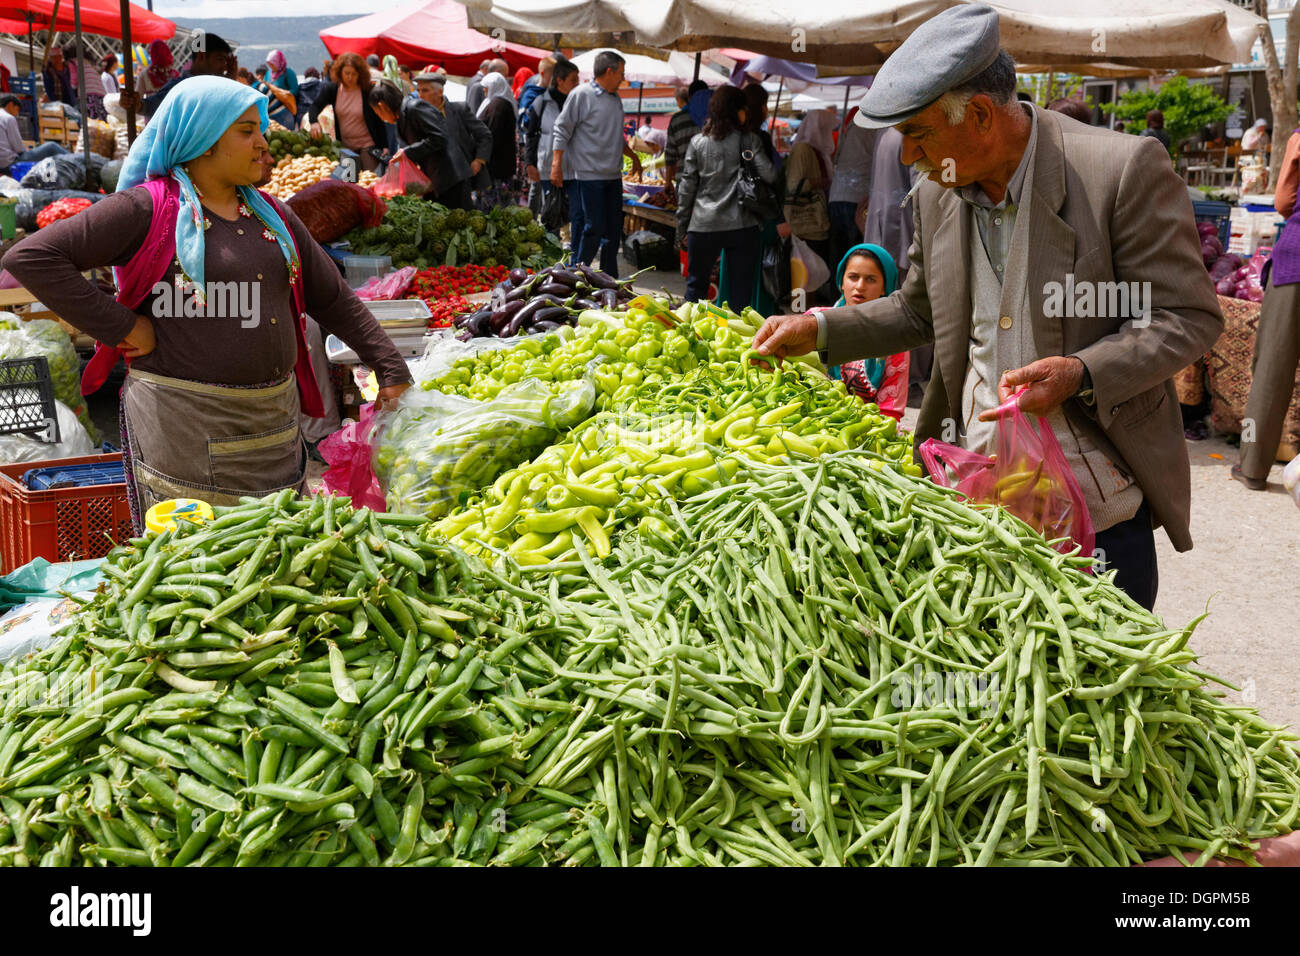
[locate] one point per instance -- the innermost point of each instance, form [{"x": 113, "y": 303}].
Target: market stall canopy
[
  {"x": 435, "y": 31},
  {"x": 100, "y": 17},
  {"x": 678, "y": 68},
  {"x": 1160, "y": 34}
]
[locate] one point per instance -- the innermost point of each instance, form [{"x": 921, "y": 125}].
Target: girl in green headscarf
[{"x": 865, "y": 273}]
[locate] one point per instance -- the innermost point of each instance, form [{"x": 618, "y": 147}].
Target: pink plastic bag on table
[
  {"x": 1028, "y": 476},
  {"x": 348, "y": 455},
  {"x": 385, "y": 287}
]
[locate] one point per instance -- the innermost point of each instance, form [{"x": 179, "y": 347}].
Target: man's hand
[
  {"x": 784, "y": 335},
  {"x": 783, "y": 230},
  {"x": 1050, "y": 381},
  {"x": 475, "y": 166},
  {"x": 387, "y": 398},
  {"x": 140, "y": 340},
  {"x": 533, "y": 175},
  {"x": 557, "y": 175},
  {"x": 129, "y": 101},
  {"x": 315, "y": 129},
  {"x": 636, "y": 165}
]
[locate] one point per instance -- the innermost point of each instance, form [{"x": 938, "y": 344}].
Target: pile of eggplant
[{"x": 541, "y": 302}]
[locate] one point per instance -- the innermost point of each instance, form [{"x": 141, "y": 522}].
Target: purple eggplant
[
  {"x": 555, "y": 288},
  {"x": 500, "y": 320},
  {"x": 554, "y": 313},
  {"x": 464, "y": 335},
  {"x": 608, "y": 299},
  {"x": 518, "y": 276},
  {"x": 547, "y": 326},
  {"x": 513, "y": 329},
  {"x": 597, "y": 278},
  {"x": 582, "y": 303},
  {"x": 478, "y": 324}
]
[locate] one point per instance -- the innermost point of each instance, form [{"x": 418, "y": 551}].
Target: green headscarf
[
  {"x": 875, "y": 367},
  {"x": 392, "y": 70}
]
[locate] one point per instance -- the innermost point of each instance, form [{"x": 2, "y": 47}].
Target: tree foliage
[{"x": 1187, "y": 107}]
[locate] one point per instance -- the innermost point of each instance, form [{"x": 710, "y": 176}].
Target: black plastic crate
[{"x": 27, "y": 399}]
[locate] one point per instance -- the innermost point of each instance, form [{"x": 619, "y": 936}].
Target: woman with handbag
[
  {"x": 725, "y": 181},
  {"x": 807, "y": 183}
]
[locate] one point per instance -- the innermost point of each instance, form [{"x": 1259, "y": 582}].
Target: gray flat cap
[
  {"x": 940, "y": 55},
  {"x": 430, "y": 78}
]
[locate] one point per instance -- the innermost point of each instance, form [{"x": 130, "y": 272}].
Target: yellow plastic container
[{"x": 165, "y": 514}]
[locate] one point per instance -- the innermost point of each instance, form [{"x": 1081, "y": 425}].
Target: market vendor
[
  {"x": 1018, "y": 205},
  {"x": 214, "y": 278}
]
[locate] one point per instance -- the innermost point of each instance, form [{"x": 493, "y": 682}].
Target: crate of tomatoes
[{"x": 445, "y": 288}]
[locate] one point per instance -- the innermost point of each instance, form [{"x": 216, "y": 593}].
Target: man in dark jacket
[{"x": 448, "y": 142}]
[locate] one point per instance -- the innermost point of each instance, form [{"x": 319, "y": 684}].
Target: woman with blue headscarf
[
  {"x": 865, "y": 273},
  {"x": 214, "y": 281}
]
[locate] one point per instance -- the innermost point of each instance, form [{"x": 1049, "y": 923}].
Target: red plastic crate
[{"x": 62, "y": 524}]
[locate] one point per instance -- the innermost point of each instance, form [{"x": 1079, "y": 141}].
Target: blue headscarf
[
  {"x": 875, "y": 367},
  {"x": 698, "y": 106},
  {"x": 194, "y": 116}
]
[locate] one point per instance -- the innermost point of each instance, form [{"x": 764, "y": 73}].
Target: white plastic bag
[
  {"x": 33, "y": 626},
  {"x": 808, "y": 271},
  {"x": 74, "y": 441},
  {"x": 1291, "y": 479}
]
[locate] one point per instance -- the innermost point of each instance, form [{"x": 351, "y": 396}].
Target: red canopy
[
  {"x": 100, "y": 17},
  {"x": 435, "y": 31}
]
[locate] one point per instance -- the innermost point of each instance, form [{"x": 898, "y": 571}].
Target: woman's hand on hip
[{"x": 140, "y": 340}]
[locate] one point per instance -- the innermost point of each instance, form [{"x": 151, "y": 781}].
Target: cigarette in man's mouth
[{"x": 915, "y": 186}]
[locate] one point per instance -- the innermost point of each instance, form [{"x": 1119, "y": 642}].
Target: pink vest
[{"x": 147, "y": 267}]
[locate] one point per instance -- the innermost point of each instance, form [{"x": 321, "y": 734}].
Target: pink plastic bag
[
  {"x": 1028, "y": 476},
  {"x": 390, "y": 286},
  {"x": 403, "y": 178},
  {"x": 348, "y": 455}
]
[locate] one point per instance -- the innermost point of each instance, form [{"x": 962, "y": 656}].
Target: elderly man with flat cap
[{"x": 1024, "y": 224}]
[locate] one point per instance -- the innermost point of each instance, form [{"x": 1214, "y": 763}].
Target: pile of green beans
[
  {"x": 737, "y": 690},
  {"x": 286, "y": 685},
  {"x": 746, "y": 682}
]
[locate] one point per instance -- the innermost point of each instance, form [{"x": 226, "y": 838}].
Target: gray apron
[{"x": 212, "y": 442}]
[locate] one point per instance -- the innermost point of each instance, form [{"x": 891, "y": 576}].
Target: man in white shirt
[{"x": 12, "y": 148}]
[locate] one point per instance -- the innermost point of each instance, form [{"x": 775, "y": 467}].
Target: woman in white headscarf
[
  {"x": 496, "y": 87},
  {"x": 499, "y": 112},
  {"x": 808, "y": 180}
]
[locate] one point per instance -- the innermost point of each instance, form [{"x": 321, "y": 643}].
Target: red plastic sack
[
  {"x": 348, "y": 455},
  {"x": 403, "y": 178},
  {"x": 1028, "y": 476},
  {"x": 332, "y": 207}
]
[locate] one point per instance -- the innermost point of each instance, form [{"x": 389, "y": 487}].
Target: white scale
[{"x": 406, "y": 322}]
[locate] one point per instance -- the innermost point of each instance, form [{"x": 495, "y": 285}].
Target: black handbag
[
  {"x": 756, "y": 196},
  {"x": 775, "y": 270}
]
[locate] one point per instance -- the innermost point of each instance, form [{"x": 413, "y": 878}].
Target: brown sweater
[{"x": 207, "y": 349}]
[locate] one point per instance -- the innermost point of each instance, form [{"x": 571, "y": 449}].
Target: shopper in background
[
  {"x": 158, "y": 73},
  {"x": 108, "y": 73},
  {"x": 356, "y": 125},
  {"x": 58, "y": 80},
  {"x": 1075, "y": 109},
  {"x": 498, "y": 112},
  {"x": 1277, "y": 344},
  {"x": 372, "y": 64},
  {"x": 282, "y": 88},
  {"x": 523, "y": 76},
  {"x": 474, "y": 87},
  {"x": 217, "y": 58},
  {"x": 1156, "y": 128},
  {"x": 76, "y": 58},
  {"x": 535, "y": 85},
  {"x": 850, "y": 185},
  {"x": 12, "y": 148},
  {"x": 710, "y": 218},
  {"x": 308, "y": 89},
  {"x": 865, "y": 273},
  {"x": 807, "y": 183},
  {"x": 539, "y": 128},
  {"x": 589, "y": 134},
  {"x": 448, "y": 143},
  {"x": 681, "y": 130}
]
